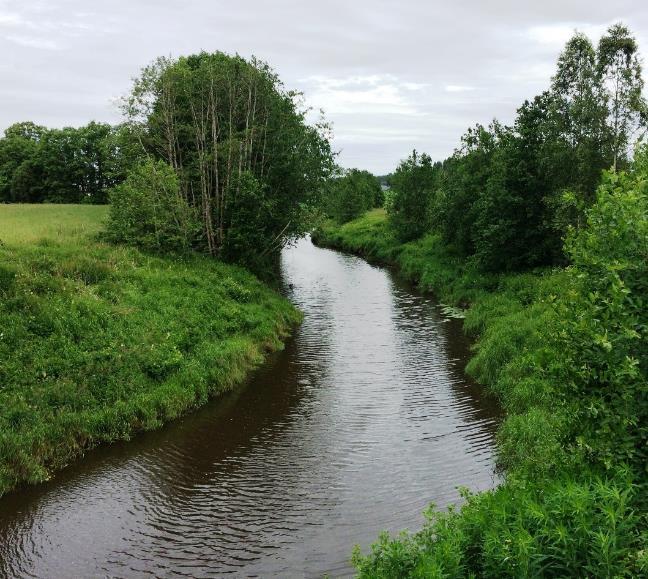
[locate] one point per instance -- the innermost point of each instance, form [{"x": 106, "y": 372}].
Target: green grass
[
  {"x": 555, "y": 515},
  {"x": 98, "y": 342},
  {"x": 24, "y": 224}
]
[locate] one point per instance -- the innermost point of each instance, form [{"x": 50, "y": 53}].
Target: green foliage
[
  {"x": 352, "y": 194},
  {"x": 69, "y": 165},
  {"x": 148, "y": 210},
  {"x": 619, "y": 73},
  {"x": 566, "y": 528},
  {"x": 249, "y": 231},
  {"x": 98, "y": 342},
  {"x": 565, "y": 352},
  {"x": 507, "y": 197},
  {"x": 605, "y": 334},
  {"x": 239, "y": 142},
  {"x": 411, "y": 188}
]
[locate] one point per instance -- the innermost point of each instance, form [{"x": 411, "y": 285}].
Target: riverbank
[
  {"x": 99, "y": 342},
  {"x": 557, "y": 511}
]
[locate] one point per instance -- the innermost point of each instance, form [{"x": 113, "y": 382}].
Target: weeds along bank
[
  {"x": 565, "y": 352},
  {"x": 98, "y": 341}
]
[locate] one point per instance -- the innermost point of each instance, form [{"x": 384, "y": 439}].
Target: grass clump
[{"x": 98, "y": 342}]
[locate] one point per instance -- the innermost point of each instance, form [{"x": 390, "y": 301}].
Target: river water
[{"x": 364, "y": 419}]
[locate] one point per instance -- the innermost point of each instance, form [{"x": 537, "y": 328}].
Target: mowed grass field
[
  {"x": 21, "y": 224},
  {"x": 100, "y": 341}
]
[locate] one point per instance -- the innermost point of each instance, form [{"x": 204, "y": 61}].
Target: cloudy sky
[{"x": 390, "y": 75}]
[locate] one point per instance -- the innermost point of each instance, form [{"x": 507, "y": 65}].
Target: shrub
[
  {"x": 351, "y": 195},
  {"x": 148, "y": 210},
  {"x": 605, "y": 332}
]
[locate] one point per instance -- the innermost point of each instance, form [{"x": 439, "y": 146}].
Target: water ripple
[{"x": 362, "y": 421}]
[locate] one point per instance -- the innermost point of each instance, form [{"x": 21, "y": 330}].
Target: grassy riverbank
[
  {"x": 98, "y": 341},
  {"x": 560, "y": 512}
]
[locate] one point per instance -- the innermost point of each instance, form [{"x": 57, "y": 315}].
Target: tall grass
[{"x": 98, "y": 342}]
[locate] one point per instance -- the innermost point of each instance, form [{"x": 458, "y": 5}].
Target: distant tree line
[
  {"x": 214, "y": 155},
  {"x": 351, "y": 194},
  {"x": 508, "y": 195},
  {"x": 69, "y": 165}
]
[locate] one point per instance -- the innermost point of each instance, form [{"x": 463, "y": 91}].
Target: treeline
[
  {"x": 351, "y": 194},
  {"x": 69, "y": 165},
  {"x": 508, "y": 195},
  {"x": 214, "y": 155}
]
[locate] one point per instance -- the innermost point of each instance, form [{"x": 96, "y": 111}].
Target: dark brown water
[{"x": 363, "y": 420}]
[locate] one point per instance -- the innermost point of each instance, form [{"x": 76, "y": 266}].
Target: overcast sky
[{"x": 391, "y": 76}]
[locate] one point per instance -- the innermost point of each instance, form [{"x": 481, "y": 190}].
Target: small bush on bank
[{"x": 147, "y": 210}]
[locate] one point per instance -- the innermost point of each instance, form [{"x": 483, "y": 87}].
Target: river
[{"x": 364, "y": 419}]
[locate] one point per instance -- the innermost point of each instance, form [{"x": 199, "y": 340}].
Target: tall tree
[
  {"x": 239, "y": 144},
  {"x": 619, "y": 72},
  {"x": 17, "y": 168},
  {"x": 579, "y": 123},
  {"x": 412, "y": 186}
]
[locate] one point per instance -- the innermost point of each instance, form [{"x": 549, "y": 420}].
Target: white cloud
[
  {"x": 33, "y": 42},
  {"x": 379, "y": 135},
  {"x": 10, "y": 19},
  {"x": 458, "y": 88},
  {"x": 383, "y": 94}
]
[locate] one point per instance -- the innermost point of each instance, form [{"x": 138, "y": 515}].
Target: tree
[
  {"x": 619, "y": 72},
  {"x": 412, "y": 186},
  {"x": 223, "y": 124},
  {"x": 17, "y": 150},
  {"x": 350, "y": 195},
  {"x": 580, "y": 122},
  {"x": 462, "y": 183}
]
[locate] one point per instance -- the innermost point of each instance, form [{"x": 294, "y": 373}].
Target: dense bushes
[
  {"x": 562, "y": 529},
  {"x": 148, "y": 210},
  {"x": 352, "y": 194},
  {"x": 604, "y": 335}
]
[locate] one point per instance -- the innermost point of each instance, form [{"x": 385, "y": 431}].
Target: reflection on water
[{"x": 363, "y": 420}]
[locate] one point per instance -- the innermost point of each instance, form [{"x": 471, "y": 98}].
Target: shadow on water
[{"x": 361, "y": 421}]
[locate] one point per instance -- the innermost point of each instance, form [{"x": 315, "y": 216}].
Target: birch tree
[{"x": 239, "y": 142}]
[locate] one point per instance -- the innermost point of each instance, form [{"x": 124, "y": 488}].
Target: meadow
[
  {"x": 23, "y": 224},
  {"x": 101, "y": 341}
]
